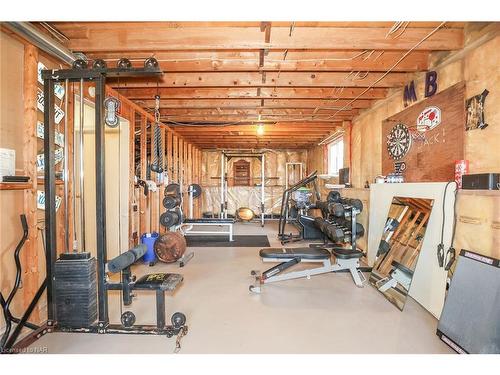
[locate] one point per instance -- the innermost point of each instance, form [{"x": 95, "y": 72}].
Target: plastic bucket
[{"x": 149, "y": 239}]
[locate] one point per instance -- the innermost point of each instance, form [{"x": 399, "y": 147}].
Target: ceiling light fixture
[{"x": 260, "y": 129}]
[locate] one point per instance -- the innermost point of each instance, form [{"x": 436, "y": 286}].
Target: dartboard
[{"x": 398, "y": 141}]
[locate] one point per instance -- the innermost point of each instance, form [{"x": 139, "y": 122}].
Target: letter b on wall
[{"x": 430, "y": 83}]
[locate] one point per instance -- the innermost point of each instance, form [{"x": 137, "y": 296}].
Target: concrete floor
[{"x": 326, "y": 314}]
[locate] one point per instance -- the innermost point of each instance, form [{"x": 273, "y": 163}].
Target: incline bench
[
  {"x": 190, "y": 223},
  {"x": 346, "y": 259}
]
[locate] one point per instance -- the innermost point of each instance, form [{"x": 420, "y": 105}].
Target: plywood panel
[{"x": 433, "y": 158}]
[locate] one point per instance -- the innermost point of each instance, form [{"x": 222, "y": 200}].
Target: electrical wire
[
  {"x": 388, "y": 71},
  {"x": 251, "y": 60},
  {"x": 440, "y": 248}
]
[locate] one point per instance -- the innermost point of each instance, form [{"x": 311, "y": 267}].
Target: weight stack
[{"x": 75, "y": 286}]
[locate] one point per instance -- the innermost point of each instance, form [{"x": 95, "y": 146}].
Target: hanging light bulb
[{"x": 260, "y": 129}]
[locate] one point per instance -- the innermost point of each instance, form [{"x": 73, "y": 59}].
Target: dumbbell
[
  {"x": 343, "y": 208},
  {"x": 337, "y": 231},
  {"x": 171, "y": 218},
  {"x": 320, "y": 223},
  {"x": 333, "y": 197},
  {"x": 360, "y": 230}
]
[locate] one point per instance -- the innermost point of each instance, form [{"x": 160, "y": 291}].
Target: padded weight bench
[
  {"x": 399, "y": 275},
  {"x": 346, "y": 259},
  {"x": 190, "y": 223}
]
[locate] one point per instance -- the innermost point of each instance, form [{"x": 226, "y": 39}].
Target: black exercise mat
[{"x": 223, "y": 241}]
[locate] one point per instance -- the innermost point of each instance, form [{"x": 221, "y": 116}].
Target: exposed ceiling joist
[
  {"x": 297, "y": 79},
  {"x": 109, "y": 37},
  {"x": 139, "y": 93},
  {"x": 273, "y": 79},
  {"x": 253, "y": 103},
  {"x": 241, "y": 61}
]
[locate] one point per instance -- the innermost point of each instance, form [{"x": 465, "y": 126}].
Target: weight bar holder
[{"x": 98, "y": 76}]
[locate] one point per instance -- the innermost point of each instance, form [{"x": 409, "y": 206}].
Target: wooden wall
[
  {"x": 18, "y": 117},
  {"x": 432, "y": 158},
  {"x": 239, "y": 196},
  {"x": 183, "y": 162},
  {"x": 477, "y": 66}
]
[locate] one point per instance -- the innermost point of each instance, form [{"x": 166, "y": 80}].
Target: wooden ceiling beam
[
  {"x": 166, "y": 93},
  {"x": 294, "y": 61},
  {"x": 108, "y": 36},
  {"x": 273, "y": 79},
  {"x": 253, "y": 103},
  {"x": 222, "y": 112},
  {"x": 274, "y": 127}
]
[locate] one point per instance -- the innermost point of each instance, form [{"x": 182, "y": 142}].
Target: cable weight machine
[{"x": 73, "y": 305}]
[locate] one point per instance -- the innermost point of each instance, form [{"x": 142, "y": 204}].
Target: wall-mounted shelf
[
  {"x": 41, "y": 182},
  {"x": 15, "y": 185}
]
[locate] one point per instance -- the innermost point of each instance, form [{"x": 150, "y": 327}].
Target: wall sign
[
  {"x": 430, "y": 83},
  {"x": 475, "y": 111},
  {"x": 58, "y": 112},
  {"x": 428, "y": 119},
  {"x": 40, "y": 200},
  {"x": 431, "y": 86},
  {"x": 409, "y": 94},
  {"x": 58, "y": 137},
  {"x": 40, "y": 68},
  {"x": 40, "y": 159},
  {"x": 436, "y": 132}
]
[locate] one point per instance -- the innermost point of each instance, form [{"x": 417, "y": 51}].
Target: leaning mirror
[{"x": 399, "y": 247}]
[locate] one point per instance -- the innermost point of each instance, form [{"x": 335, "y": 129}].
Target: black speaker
[
  {"x": 75, "y": 288},
  {"x": 344, "y": 176},
  {"x": 482, "y": 181}
]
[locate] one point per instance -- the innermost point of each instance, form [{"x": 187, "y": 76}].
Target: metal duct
[{"x": 42, "y": 41}]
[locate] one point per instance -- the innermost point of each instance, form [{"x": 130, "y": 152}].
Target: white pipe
[
  {"x": 221, "y": 214},
  {"x": 262, "y": 194},
  {"x": 29, "y": 32}
]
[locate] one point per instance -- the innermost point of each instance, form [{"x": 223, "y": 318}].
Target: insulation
[{"x": 248, "y": 196}]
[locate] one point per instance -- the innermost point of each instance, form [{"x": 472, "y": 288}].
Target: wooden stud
[
  {"x": 143, "y": 228},
  {"x": 30, "y": 253},
  {"x": 175, "y": 161}
]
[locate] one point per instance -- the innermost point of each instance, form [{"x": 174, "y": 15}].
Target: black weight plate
[
  {"x": 170, "y": 202},
  {"x": 196, "y": 189},
  {"x": 170, "y": 218},
  {"x": 172, "y": 189}
]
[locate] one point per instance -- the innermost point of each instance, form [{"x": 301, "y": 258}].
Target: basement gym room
[{"x": 250, "y": 187}]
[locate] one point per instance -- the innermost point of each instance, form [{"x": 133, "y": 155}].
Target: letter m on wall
[{"x": 409, "y": 95}]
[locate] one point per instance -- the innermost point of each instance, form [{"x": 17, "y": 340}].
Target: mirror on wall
[{"x": 399, "y": 247}]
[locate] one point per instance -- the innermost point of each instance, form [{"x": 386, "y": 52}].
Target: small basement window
[{"x": 335, "y": 156}]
